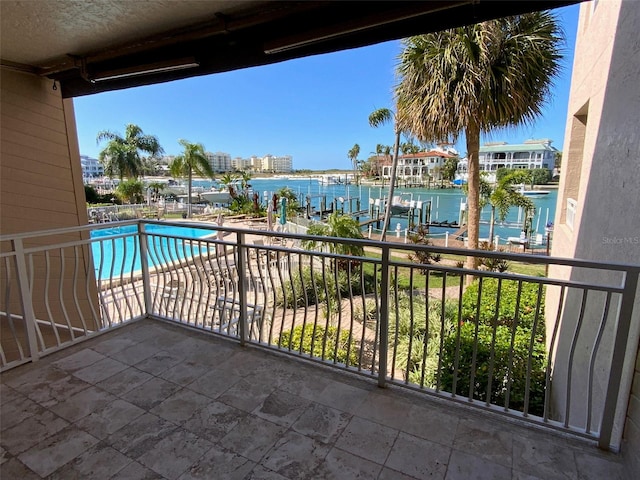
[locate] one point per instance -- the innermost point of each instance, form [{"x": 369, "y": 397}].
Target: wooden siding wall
[
  {"x": 40, "y": 176},
  {"x": 40, "y": 188}
]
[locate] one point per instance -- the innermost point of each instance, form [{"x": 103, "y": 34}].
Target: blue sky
[{"x": 314, "y": 109}]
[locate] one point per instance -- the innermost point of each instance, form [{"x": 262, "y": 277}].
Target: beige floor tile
[
  {"x": 100, "y": 461},
  {"x": 281, "y": 408},
  {"x": 463, "y": 466},
  {"x": 52, "y": 453},
  {"x": 419, "y": 458},
  {"x": 252, "y": 437},
  {"x": 219, "y": 464},
  {"x": 367, "y": 439},
  {"x": 485, "y": 439},
  {"x": 175, "y": 453},
  {"x": 322, "y": 423},
  {"x": 544, "y": 459},
  {"x": 295, "y": 456},
  {"x": 339, "y": 465}
]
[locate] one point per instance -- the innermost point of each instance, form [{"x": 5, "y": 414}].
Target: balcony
[
  {"x": 155, "y": 400},
  {"x": 222, "y": 357}
]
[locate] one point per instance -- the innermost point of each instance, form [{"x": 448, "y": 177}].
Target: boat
[
  {"x": 216, "y": 196},
  {"x": 532, "y": 193},
  {"x": 400, "y": 206}
]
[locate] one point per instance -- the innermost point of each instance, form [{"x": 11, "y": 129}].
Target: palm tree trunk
[
  {"x": 492, "y": 223},
  {"x": 392, "y": 186},
  {"x": 189, "y": 195},
  {"x": 472, "y": 133}
]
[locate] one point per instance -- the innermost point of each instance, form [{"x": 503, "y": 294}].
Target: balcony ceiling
[{"x": 83, "y": 44}]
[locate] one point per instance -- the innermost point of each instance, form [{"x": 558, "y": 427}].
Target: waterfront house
[
  {"x": 417, "y": 168},
  {"x": 528, "y": 154}
]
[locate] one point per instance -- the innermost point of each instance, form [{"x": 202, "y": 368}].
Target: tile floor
[{"x": 159, "y": 401}]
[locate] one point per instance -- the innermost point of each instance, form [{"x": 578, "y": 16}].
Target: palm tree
[
  {"x": 340, "y": 226},
  {"x": 501, "y": 196},
  {"x": 409, "y": 147},
  {"x": 353, "y": 156},
  {"x": 130, "y": 190},
  {"x": 228, "y": 180},
  {"x": 155, "y": 188},
  {"x": 121, "y": 156},
  {"x": 473, "y": 79},
  {"x": 245, "y": 178},
  {"x": 192, "y": 160},
  {"x": 377, "y": 118}
]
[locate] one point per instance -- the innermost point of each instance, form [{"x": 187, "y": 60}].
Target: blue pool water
[{"x": 115, "y": 256}]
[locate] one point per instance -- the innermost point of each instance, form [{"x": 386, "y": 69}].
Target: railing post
[
  {"x": 27, "y": 300},
  {"x": 144, "y": 262},
  {"x": 618, "y": 357},
  {"x": 242, "y": 288},
  {"x": 383, "y": 347}
]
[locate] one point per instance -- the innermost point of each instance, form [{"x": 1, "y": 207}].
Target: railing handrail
[
  {"x": 121, "y": 300},
  {"x": 516, "y": 257}
]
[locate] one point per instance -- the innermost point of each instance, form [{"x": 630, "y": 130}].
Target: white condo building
[
  {"x": 220, "y": 162},
  {"x": 91, "y": 167},
  {"x": 274, "y": 164}
]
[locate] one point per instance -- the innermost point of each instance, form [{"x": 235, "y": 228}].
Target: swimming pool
[{"x": 116, "y": 250}]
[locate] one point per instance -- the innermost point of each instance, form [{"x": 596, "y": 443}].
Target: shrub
[
  {"x": 303, "y": 290},
  {"x": 537, "y": 176},
  {"x": 508, "y": 302},
  {"x": 320, "y": 342},
  {"x": 501, "y": 376},
  {"x": 368, "y": 315},
  {"x": 540, "y": 176},
  {"x": 422, "y": 257},
  {"x": 91, "y": 194},
  {"x": 409, "y": 334}
]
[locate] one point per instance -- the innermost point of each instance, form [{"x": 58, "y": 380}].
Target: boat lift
[{"x": 417, "y": 212}]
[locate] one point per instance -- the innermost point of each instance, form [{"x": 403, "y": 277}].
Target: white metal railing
[{"x": 521, "y": 344}]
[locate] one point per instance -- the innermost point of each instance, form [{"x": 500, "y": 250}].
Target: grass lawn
[{"x": 411, "y": 278}]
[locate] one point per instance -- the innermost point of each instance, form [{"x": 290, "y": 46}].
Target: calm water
[
  {"x": 445, "y": 202},
  {"x": 122, "y": 255}
]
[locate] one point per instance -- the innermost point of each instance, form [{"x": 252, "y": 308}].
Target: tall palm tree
[
  {"x": 476, "y": 78},
  {"x": 193, "y": 160},
  {"x": 353, "y": 156},
  {"x": 377, "y": 118},
  {"x": 121, "y": 156}
]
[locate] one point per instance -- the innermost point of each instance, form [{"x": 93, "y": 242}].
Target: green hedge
[
  {"x": 462, "y": 341},
  {"x": 508, "y": 301},
  {"x": 322, "y": 339},
  {"x": 501, "y": 375},
  {"x": 303, "y": 290},
  {"x": 537, "y": 176}
]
